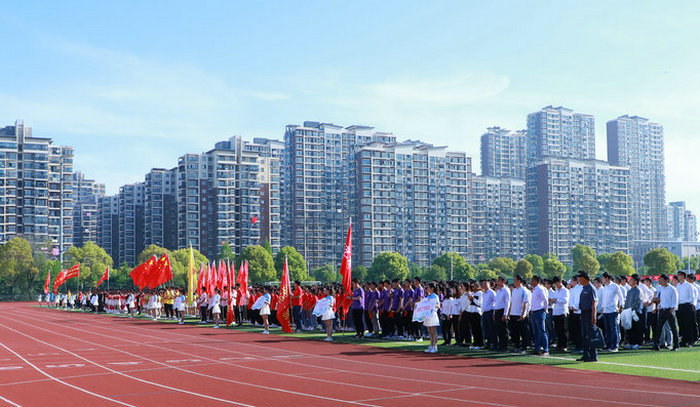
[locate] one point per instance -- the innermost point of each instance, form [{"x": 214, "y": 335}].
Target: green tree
[
  {"x": 589, "y": 264},
  {"x": 17, "y": 268},
  {"x": 620, "y": 264},
  {"x": 296, "y": 263},
  {"x": 484, "y": 273},
  {"x": 326, "y": 273},
  {"x": 359, "y": 272},
  {"x": 504, "y": 266},
  {"x": 577, "y": 252},
  {"x": 660, "y": 261},
  {"x": 415, "y": 270},
  {"x": 553, "y": 267},
  {"x": 180, "y": 262},
  {"x": 227, "y": 254},
  {"x": 388, "y": 266},
  {"x": 603, "y": 260},
  {"x": 150, "y": 251},
  {"x": 462, "y": 270},
  {"x": 435, "y": 273},
  {"x": 537, "y": 263},
  {"x": 261, "y": 266},
  {"x": 93, "y": 260},
  {"x": 524, "y": 268},
  {"x": 267, "y": 246}
]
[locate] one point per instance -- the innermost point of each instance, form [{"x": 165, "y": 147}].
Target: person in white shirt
[
  {"x": 488, "y": 303},
  {"x": 651, "y": 313},
  {"x": 612, "y": 303},
  {"x": 518, "y": 310},
  {"x": 446, "y": 317},
  {"x": 560, "y": 308},
  {"x": 94, "y": 302},
  {"x": 215, "y": 306},
  {"x": 539, "y": 304},
  {"x": 575, "y": 316},
  {"x": 202, "y": 301},
  {"x": 686, "y": 311},
  {"x": 667, "y": 301},
  {"x": 500, "y": 313},
  {"x": 473, "y": 309},
  {"x": 461, "y": 328},
  {"x": 696, "y": 287}
]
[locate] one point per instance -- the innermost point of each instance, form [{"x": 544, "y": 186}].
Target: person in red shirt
[{"x": 296, "y": 305}]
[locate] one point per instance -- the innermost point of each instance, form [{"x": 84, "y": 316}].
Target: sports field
[{"x": 51, "y": 357}]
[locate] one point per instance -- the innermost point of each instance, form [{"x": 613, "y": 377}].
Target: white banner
[
  {"x": 424, "y": 309},
  {"x": 322, "y": 307},
  {"x": 259, "y": 303}
]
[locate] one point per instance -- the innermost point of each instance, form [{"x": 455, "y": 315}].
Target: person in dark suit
[{"x": 587, "y": 305}]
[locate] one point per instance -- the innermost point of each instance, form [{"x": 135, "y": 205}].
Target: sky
[{"x": 133, "y": 85}]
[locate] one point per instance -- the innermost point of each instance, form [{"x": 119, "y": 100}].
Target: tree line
[{"x": 23, "y": 267}]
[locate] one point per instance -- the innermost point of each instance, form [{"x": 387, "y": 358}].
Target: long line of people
[{"x": 498, "y": 315}]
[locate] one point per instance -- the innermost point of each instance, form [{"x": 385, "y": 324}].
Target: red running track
[{"x": 50, "y": 357}]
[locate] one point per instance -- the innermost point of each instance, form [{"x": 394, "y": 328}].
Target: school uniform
[
  {"x": 586, "y": 298},
  {"x": 397, "y": 296},
  {"x": 668, "y": 304},
  {"x": 575, "y": 316},
  {"x": 358, "y": 311},
  {"x": 686, "y": 313},
  {"x": 560, "y": 310},
  {"x": 501, "y": 309},
  {"x": 540, "y": 301},
  {"x": 516, "y": 323},
  {"x": 473, "y": 313},
  {"x": 488, "y": 303}
]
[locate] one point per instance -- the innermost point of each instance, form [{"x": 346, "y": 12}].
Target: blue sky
[{"x": 133, "y": 85}]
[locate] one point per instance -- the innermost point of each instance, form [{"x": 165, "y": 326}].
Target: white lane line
[
  {"x": 629, "y": 365},
  {"x": 115, "y": 371},
  {"x": 9, "y": 402},
  {"x": 353, "y": 372},
  {"x": 61, "y": 381}
]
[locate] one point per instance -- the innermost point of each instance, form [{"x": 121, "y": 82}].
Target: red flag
[
  {"x": 254, "y": 220},
  {"x": 200, "y": 278},
  {"x": 65, "y": 275},
  {"x": 140, "y": 272},
  {"x": 346, "y": 270},
  {"x": 211, "y": 280},
  {"x": 283, "y": 302},
  {"x": 161, "y": 273},
  {"x": 104, "y": 277},
  {"x": 48, "y": 280},
  {"x": 220, "y": 276},
  {"x": 230, "y": 315},
  {"x": 242, "y": 278}
]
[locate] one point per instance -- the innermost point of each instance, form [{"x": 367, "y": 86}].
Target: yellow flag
[{"x": 191, "y": 279}]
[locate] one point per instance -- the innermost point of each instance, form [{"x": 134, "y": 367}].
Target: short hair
[
  {"x": 556, "y": 279},
  {"x": 501, "y": 278},
  {"x": 681, "y": 272},
  {"x": 518, "y": 277},
  {"x": 607, "y": 275},
  {"x": 396, "y": 280},
  {"x": 356, "y": 280},
  {"x": 297, "y": 282},
  {"x": 536, "y": 278},
  {"x": 664, "y": 276},
  {"x": 635, "y": 277}
]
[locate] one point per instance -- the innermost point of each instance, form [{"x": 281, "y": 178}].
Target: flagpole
[{"x": 107, "y": 278}]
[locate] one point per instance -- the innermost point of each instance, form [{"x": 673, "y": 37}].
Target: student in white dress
[
  {"x": 214, "y": 305},
  {"x": 329, "y": 316},
  {"x": 180, "y": 302},
  {"x": 432, "y": 322},
  {"x": 153, "y": 305},
  {"x": 265, "y": 309}
]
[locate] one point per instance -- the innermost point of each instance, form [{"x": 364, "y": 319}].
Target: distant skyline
[{"x": 134, "y": 86}]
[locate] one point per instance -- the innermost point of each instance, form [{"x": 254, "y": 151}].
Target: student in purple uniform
[
  {"x": 358, "y": 305},
  {"x": 383, "y": 304},
  {"x": 396, "y": 300},
  {"x": 407, "y": 309},
  {"x": 418, "y": 294}
]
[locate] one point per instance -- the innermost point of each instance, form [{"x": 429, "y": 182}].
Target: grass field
[{"x": 681, "y": 365}]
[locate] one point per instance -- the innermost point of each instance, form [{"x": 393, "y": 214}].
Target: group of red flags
[
  {"x": 153, "y": 272},
  {"x": 61, "y": 278}
]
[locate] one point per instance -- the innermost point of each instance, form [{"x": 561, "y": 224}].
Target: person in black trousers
[
  {"x": 667, "y": 300},
  {"x": 587, "y": 305}
]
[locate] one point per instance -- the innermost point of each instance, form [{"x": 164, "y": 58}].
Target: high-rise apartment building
[
  {"x": 86, "y": 193},
  {"x": 131, "y": 223},
  {"x": 160, "y": 208},
  {"x": 36, "y": 185},
  {"x": 637, "y": 143},
  {"x": 412, "y": 198},
  {"x": 577, "y": 201},
  {"x": 230, "y": 194},
  {"x": 503, "y": 153},
  {"x": 559, "y": 132},
  {"x": 499, "y": 226},
  {"x": 317, "y": 186},
  {"x": 682, "y": 225},
  {"x": 108, "y": 226}
]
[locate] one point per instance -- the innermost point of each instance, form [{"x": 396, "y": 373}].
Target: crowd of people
[{"x": 535, "y": 314}]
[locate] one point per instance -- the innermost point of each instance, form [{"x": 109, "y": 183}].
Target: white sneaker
[
  {"x": 216, "y": 326},
  {"x": 419, "y": 340},
  {"x": 328, "y": 339},
  {"x": 429, "y": 350},
  {"x": 266, "y": 332},
  {"x": 181, "y": 323},
  {"x": 434, "y": 349}
]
